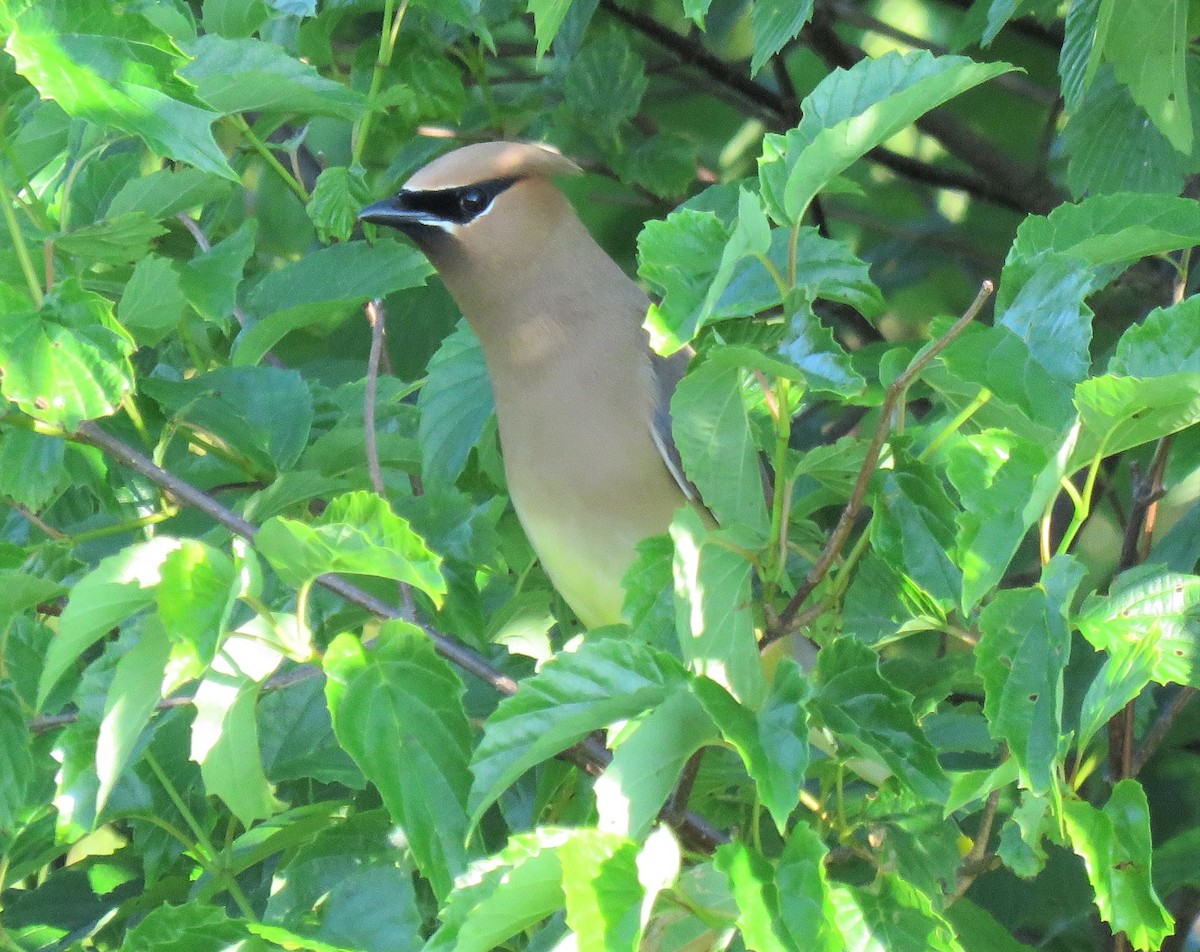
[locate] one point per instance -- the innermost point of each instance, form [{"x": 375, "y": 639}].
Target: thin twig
[
  {"x": 1161, "y": 727},
  {"x": 974, "y": 862},
  {"x": 1139, "y": 528},
  {"x": 589, "y": 755},
  {"x": 375, "y": 317},
  {"x": 37, "y": 520},
  {"x": 783, "y": 625}
]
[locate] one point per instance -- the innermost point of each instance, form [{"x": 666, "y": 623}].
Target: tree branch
[{"x": 785, "y": 623}]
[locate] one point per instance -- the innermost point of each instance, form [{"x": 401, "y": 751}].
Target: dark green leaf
[
  {"x": 1021, "y": 656},
  {"x": 775, "y": 23},
  {"x": 210, "y": 280},
  {"x": 192, "y": 927},
  {"x": 166, "y": 192},
  {"x": 337, "y": 196},
  {"x": 1166, "y": 342},
  {"x": 575, "y": 693},
  {"x": 752, "y": 881},
  {"x": 455, "y": 403},
  {"x": 153, "y": 301},
  {"x": 256, "y": 76},
  {"x": 16, "y": 763},
  {"x": 398, "y": 711},
  {"x": 874, "y": 718}
]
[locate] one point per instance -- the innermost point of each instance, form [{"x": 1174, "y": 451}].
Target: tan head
[{"x": 483, "y": 213}]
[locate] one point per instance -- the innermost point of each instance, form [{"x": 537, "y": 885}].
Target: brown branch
[
  {"x": 784, "y": 624},
  {"x": 589, "y": 755},
  {"x": 1143, "y": 511},
  {"x": 1161, "y": 727},
  {"x": 977, "y": 860}
]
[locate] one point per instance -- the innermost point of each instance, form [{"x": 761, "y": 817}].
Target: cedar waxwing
[{"x": 583, "y": 403}]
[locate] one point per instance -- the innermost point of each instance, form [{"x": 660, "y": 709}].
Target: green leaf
[
  {"x": 1021, "y": 656},
  {"x": 978, "y": 929},
  {"x": 165, "y": 192},
  {"x": 225, "y": 732},
  {"x": 135, "y": 690},
  {"x": 1111, "y": 229},
  {"x": 238, "y": 408},
  {"x": 112, "y": 240},
  {"x": 1079, "y": 36},
  {"x": 152, "y": 302},
  {"x": 1118, "y": 413},
  {"x": 234, "y": 18},
  {"x": 329, "y": 280},
  {"x": 114, "y": 590},
  {"x": 811, "y": 347},
  {"x": 713, "y": 606},
  {"x": 505, "y": 894},
  {"x": 913, "y": 528},
  {"x": 1149, "y": 618},
  {"x": 210, "y": 280},
  {"x": 712, "y": 433},
  {"x": 547, "y": 18},
  {"x": 680, "y": 256},
  {"x": 808, "y": 913},
  {"x": 1112, "y": 146},
  {"x": 647, "y": 761},
  {"x": 825, "y": 269},
  {"x": 357, "y": 534},
  {"x": 1118, "y": 683},
  {"x": 752, "y": 881},
  {"x": 70, "y": 362},
  {"x": 601, "y": 891},
  {"x": 1041, "y": 301},
  {"x": 196, "y": 596},
  {"x": 1004, "y": 482},
  {"x": 891, "y": 914},
  {"x": 32, "y": 468},
  {"x": 114, "y": 68},
  {"x": 455, "y": 403},
  {"x": 773, "y": 741},
  {"x": 874, "y": 718},
  {"x": 337, "y": 196},
  {"x": 852, "y": 111},
  {"x": 398, "y": 712},
  {"x": 191, "y": 927},
  {"x": 1147, "y": 44},
  {"x": 775, "y": 23},
  {"x": 1166, "y": 342},
  {"x": 1114, "y": 845},
  {"x": 575, "y": 693},
  {"x": 604, "y": 84},
  {"x": 16, "y": 762},
  {"x": 256, "y": 76}
]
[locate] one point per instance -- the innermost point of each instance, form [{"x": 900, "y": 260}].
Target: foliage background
[{"x": 202, "y": 746}]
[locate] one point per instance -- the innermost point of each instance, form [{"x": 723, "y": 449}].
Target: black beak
[{"x": 395, "y": 213}]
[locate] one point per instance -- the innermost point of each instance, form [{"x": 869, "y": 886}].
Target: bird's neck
[{"x": 569, "y": 303}]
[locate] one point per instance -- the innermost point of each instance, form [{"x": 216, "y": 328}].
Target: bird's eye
[{"x": 473, "y": 201}]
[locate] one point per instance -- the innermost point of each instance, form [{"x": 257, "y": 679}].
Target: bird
[{"x": 582, "y": 400}]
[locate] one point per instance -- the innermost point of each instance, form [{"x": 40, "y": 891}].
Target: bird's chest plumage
[{"x": 585, "y": 475}]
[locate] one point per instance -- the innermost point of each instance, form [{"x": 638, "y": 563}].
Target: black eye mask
[{"x": 455, "y": 205}]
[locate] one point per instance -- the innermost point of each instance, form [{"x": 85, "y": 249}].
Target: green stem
[
  {"x": 783, "y": 434},
  {"x": 387, "y": 46},
  {"x": 207, "y": 853},
  {"x": 18, "y": 240},
  {"x": 121, "y": 527},
  {"x": 1082, "y": 503},
  {"x": 268, "y": 156},
  {"x": 956, "y": 424}
]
